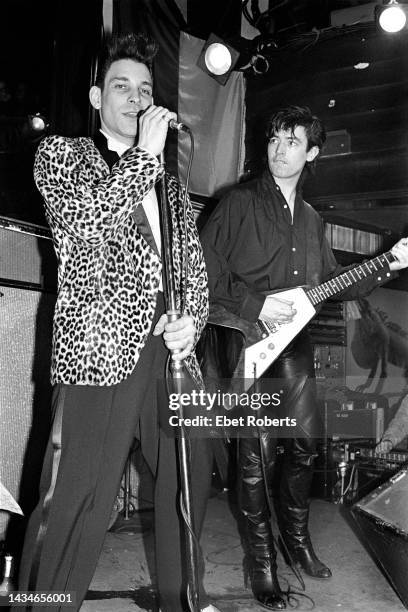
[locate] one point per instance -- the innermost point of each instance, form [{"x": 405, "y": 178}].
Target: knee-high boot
[
  {"x": 260, "y": 550},
  {"x": 294, "y": 503}
]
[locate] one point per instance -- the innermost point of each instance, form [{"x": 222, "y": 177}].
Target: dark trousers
[
  {"x": 257, "y": 455},
  {"x": 98, "y": 427}
]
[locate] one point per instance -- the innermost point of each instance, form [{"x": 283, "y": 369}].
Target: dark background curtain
[
  {"x": 78, "y": 36},
  {"x": 47, "y": 55},
  {"x": 162, "y": 20}
]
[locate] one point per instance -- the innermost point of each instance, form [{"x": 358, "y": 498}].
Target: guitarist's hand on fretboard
[
  {"x": 277, "y": 310},
  {"x": 400, "y": 251}
]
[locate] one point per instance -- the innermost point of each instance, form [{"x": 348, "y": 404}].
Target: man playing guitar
[{"x": 263, "y": 237}]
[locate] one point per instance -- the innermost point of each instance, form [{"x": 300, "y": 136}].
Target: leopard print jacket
[{"x": 108, "y": 275}]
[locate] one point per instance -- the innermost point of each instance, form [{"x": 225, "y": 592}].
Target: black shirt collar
[
  {"x": 268, "y": 182},
  {"x": 100, "y": 142}
]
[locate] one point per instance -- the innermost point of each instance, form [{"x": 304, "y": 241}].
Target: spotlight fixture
[
  {"x": 392, "y": 17},
  {"x": 218, "y": 59},
  {"x": 37, "y": 122},
  {"x": 35, "y": 128}
]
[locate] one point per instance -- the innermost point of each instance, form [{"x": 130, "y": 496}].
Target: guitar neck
[{"x": 345, "y": 280}]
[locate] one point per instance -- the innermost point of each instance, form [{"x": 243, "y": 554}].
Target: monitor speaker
[
  {"x": 337, "y": 143},
  {"x": 383, "y": 519}
]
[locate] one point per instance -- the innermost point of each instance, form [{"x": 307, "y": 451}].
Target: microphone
[
  {"x": 180, "y": 127},
  {"x": 173, "y": 124}
]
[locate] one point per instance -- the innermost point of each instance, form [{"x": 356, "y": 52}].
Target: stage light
[
  {"x": 392, "y": 17},
  {"x": 37, "y": 122},
  {"x": 218, "y": 59}
]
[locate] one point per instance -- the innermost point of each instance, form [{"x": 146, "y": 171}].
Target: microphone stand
[{"x": 178, "y": 377}]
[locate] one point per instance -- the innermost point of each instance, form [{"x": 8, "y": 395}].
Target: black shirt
[{"x": 251, "y": 247}]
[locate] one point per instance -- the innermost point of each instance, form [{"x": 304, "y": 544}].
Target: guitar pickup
[
  {"x": 265, "y": 329},
  {"x": 262, "y": 328}
]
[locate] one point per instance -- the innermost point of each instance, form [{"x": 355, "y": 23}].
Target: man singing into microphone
[{"x": 111, "y": 337}]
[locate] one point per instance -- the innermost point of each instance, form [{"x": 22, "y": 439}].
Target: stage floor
[{"x": 122, "y": 582}]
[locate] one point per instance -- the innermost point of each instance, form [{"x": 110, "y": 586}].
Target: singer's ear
[{"x": 95, "y": 97}]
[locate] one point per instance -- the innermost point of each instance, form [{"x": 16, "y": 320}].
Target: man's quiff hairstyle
[
  {"x": 137, "y": 47},
  {"x": 289, "y": 118}
]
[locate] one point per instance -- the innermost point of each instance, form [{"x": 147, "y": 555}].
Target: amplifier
[
  {"x": 27, "y": 278},
  {"x": 338, "y": 142},
  {"x": 27, "y": 258},
  {"x": 348, "y": 424}
]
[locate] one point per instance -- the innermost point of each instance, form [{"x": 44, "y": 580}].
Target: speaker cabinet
[
  {"x": 383, "y": 519},
  {"x": 337, "y": 143},
  {"x": 27, "y": 298}
]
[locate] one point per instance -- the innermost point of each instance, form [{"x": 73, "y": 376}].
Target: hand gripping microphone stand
[{"x": 178, "y": 381}]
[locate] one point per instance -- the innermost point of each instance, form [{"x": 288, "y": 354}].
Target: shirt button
[
  {"x": 295, "y": 272},
  {"x": 285, "y": 206},
  {"x": 379, "y": 278},
  {"x": 388, "y": 274},
  {"x": 293, "y": 249}
]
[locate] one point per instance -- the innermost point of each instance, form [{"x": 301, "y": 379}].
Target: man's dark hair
[
  {"x": 137, "y": 47},
  {"x": 289, "y": 118}
]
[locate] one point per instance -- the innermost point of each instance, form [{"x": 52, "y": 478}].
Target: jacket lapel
[
  {"x": 111, "y": 157},
  {"x": 143, "y": 224},
  {"x": 139, "y": 214}
]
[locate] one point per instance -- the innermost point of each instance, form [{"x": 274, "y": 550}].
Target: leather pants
[{"x": 257, "y": 455}]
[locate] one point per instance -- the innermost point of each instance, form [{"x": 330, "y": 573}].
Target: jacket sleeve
[
  {"x": 218, "y": 238},
  {"x": 90, "y": 211}
]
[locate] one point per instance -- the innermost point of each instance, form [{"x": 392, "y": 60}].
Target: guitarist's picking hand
[
  {"x": 277, "y": 310},
  {"x": 400, "y": 251}
]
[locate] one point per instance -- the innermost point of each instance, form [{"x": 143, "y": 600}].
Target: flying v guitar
[{"x": 263, "y": 342}]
